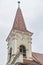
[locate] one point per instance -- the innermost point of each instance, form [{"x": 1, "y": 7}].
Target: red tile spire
[{"x": 19, "y": 21}]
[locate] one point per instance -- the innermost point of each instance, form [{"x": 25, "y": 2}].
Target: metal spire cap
[{"x": 18, "y": 3}]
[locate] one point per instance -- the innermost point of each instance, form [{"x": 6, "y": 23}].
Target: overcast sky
[{"x": 32, "y": 11}]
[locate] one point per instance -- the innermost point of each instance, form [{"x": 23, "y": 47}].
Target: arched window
[{"x": 23, "y": 50}]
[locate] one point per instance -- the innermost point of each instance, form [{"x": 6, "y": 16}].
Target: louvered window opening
[{"x": 23, "y": 50}]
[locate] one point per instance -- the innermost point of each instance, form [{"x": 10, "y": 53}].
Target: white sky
[{"x": 32, "y": 11}]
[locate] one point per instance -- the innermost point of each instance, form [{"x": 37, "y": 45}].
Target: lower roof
[{"x": 38, "y": 57}]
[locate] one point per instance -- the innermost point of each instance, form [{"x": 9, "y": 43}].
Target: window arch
[{"x": 23, "y": 50}]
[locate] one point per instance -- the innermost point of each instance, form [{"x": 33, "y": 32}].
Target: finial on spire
[{"x": 18, "y": 3}]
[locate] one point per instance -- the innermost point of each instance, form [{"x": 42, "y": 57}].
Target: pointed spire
[
  {"x": 19, "y": 20},
  {"x": 18, "y": 3}
]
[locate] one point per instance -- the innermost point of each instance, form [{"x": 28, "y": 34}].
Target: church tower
[{"x": 19, "y": 41}]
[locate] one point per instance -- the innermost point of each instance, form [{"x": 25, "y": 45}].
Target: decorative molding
[
  {"x": 13, "y": 54},
  {"x": 22, "y": 37}
]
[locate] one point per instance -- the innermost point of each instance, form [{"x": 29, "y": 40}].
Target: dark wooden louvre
[{"x": 23, "y": 50}]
